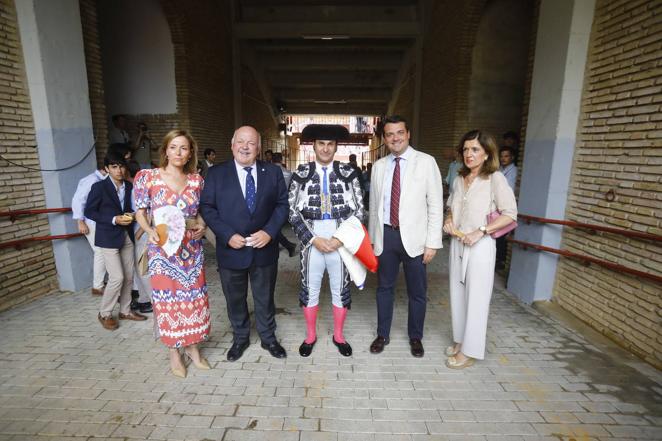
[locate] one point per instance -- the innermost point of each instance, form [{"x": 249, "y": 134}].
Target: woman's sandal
[
  {"x": 203, "y": 364},
  {"x": 452, "y": 363},
  {"x": 451, "y": 351}
]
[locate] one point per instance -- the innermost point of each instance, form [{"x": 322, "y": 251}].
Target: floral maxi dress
[{"x": 179, "y": 289}]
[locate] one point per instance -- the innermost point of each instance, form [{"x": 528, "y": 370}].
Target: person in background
[
  {"x": 179, "y": 288},
  {"x": 367, "y": 175},
  {"x": 210, "y": 157},
  {"x": 117, "y": 133},
  {"x": 88, "y": 226},
  {"x": 141, "y": 293},
  {"x": 479, "y": 189},
  {"x": 109, "y": 205},
  {"x": 207, "y": 162},
  {"x": 268, "y": 156},
  {"x": 507, "y": 165},
  {"x": 277, "y": 159},
  {"x": 355, "y": 166},
  {"x": 453, "y": 167},
  {"x": 509, "y": 171},
  {"x": 142, "y": 149}
]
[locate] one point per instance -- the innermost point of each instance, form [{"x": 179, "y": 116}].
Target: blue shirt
[
  {"x": 388, "y": 179},
  {"x": 510, "y": 172},
  {"x": 453, "y": 168},
  {"x": 82, "y": 191}
]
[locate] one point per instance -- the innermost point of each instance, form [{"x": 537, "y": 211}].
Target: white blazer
[{"x": 421, "y": 204}]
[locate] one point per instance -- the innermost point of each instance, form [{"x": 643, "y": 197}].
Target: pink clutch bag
[{"x": 505, "y": 230}]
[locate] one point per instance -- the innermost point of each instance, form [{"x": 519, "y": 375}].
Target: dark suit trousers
[
  {"x": 415, "y": 275},
  {"x": 235, "y": 288}
]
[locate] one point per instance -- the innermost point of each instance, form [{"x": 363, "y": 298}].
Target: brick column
[
  {"x": 564, "y": 28},
  {"x": 52, "y": 42}
]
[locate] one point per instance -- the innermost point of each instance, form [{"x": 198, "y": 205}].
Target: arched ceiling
[{"x": 326, "y": 56}]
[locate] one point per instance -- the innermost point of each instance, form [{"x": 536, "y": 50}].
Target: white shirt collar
[{"x": 406, "y": 155}]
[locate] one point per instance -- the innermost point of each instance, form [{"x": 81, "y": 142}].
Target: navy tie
[{"x": 250, "y": 190}]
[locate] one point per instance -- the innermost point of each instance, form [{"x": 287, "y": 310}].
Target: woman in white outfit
[{"x": 481, "y": 190}]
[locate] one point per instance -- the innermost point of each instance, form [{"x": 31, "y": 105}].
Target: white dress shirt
[
  {"x": 82, "y": 191},
  {"x": 120, "y": 195},
  {"x": 242, "y": 176},
  {"x": 388, "y": 180},
  {"x": 510, "y": 172}
]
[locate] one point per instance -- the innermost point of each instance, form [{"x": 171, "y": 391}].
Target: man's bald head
[{"x": 246, "y": 144}]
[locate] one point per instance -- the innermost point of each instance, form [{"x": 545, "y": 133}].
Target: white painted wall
[
  {"x": 138, "y": 57},
  {"x": 52, "y": 43},
  {"x": 564, "y": 28}
]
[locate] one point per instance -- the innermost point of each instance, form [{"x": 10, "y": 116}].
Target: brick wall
[
  {"x": 406, "y": 94},
  {"x": 618, "y": 149},
  {"x": 29, "y": 273},
  {"x": 256, "y": 111},
  {"x": 447, "y": 49},
  {"x": 158, "y": 126},
  {"x": 202, "y": 40},
  {"x": 91, "y": 42}
]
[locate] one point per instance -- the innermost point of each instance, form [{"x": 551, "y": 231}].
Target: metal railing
[
  {"x": 587, "y": 260},
  {"x": 23, "y": 242}
]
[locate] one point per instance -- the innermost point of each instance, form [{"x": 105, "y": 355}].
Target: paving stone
[
  {"x": 469, "y": 428},
  {"x": 69, "y": 379}
]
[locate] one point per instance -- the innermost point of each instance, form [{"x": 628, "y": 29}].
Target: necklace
[{"x": 469, "y": 179}]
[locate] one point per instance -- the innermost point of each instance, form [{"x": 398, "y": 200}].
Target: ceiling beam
[
  {"x": 332, "y": 94},
  {"x": 362, "y": 78},
  {"x": 255, "y": 30},
  {"x": 321, "y": 60}
]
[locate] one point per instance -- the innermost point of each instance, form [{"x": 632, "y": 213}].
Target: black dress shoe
[
  {"x": 237, "y": 350},
  {"x": 377, "y": 346},
  {"x": 275, "y": 349},
  {"x": 306, "y": 348},
  {"x": 416, "y": 347},
  {"x": 344, "y": 348},
  {"x": 145, "y": 307}
]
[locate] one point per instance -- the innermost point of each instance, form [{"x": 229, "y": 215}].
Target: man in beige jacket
[{"x": 406, "y": 217}]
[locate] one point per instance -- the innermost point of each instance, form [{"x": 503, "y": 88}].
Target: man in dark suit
[
  {"x": 109, "y": 205},
  {"x": 244, "y": 202}
]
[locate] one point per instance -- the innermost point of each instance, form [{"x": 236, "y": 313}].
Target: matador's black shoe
[
  {"x": 306, "y": 348},
  {"x": 344, "y": 348}
]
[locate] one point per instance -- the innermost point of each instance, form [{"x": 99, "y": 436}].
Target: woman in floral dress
[{"x": 179, "y": 289}]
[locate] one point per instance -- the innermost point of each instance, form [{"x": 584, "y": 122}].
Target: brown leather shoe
[
  {"x": 416, "y": 347},
  {"x": 135, "y": 316},
  {"x": 108, "y": 322},
  {"x": 97, "y": 292},
  {"x": 377, "y": 346}
]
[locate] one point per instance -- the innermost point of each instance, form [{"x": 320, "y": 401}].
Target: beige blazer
[{"x": 421, "y": 204}]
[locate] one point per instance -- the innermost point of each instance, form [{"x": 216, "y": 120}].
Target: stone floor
[{"x": 63, "y": 377}]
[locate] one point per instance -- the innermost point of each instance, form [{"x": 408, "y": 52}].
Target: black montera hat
[{"x": 327, "y": 132}]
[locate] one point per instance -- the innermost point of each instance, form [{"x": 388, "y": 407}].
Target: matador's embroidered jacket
[{"x": 306, "y": 199}]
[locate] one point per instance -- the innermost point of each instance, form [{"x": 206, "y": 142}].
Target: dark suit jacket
[
  {"x": 102, "y": 206},
  {"x": 224, "y": 209}
]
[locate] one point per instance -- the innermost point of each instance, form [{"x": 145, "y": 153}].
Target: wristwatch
[{"x": 483, "y": 229}]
